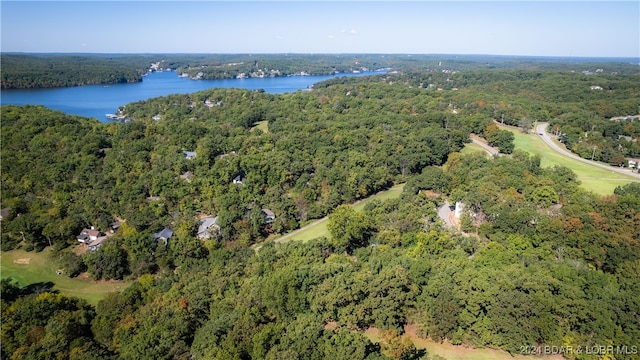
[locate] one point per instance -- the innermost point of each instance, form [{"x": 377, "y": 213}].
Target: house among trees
[
  {"x": 94, "y": 245},
  {"x": 189, "y": 155},
  {"x": 92, "y": 238},
  {"x": 239, "y": 179},
  {"x": 208, "y": 227},
  {"x": 88, "y": 235},
  {"x": 268, "y": 216},
  {"x": 115, "y": 225},
  {"x": 186, "y": 176},
  {"x": 163, "y": 235}
]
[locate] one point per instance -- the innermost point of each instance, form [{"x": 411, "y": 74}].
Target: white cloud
[{"x": 353, "y": 32}]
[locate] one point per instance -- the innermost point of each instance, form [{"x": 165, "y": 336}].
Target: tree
[
  {"x": 110, "y": 261},
  {"x": 545, "y": 196},
  {"x": 349, "y": 229},
  {"x": 502, "y": 139},
  {"x": 525, "y": 124},
  {"x": 431, "y": 178}
]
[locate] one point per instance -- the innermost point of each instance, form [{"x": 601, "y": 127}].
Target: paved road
[
  {"x": 541, "y": 129},
  {"x": 486, "y": 147},
  {"x": 444, "y": 212}
]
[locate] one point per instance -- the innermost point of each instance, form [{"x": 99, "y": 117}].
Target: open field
[
  {"x": 262, "y": 125},
  {"x": 472, "y": 148},
  {"x": 32, "y": 267},
  {"x": 319, "y": 228},
  {"x": 455, "y": 352},
  {"x": 592, "y": 178}
]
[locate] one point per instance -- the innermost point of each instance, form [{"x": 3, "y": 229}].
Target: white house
[
  {"x": 88, "y": 235},
  {"x": 208, "y": 226},
  {"x": 189, "y": 155},
  {"x": 238, "y": 179}
]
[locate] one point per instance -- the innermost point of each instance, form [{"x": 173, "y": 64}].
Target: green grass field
[
  {"x": 472, "y": 148},
  {"x": 319, "y": 228},
  {"x": 32, "y": 267},
  {"x": 593, "y": 178},
  {"x": 262, "y": 125}
]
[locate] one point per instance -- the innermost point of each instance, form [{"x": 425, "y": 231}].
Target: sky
[{"x": 522, "y": 28}]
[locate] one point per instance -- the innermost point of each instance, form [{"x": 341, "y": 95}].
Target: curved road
[
  {"x": 541, "y": 129},
  {"x": 492, "y": 151}
]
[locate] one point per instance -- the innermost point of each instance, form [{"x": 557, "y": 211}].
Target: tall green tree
[{"x": 349, "y": 229}]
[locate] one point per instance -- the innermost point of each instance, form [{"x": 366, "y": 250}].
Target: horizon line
[{"x": 317, "y": 53}]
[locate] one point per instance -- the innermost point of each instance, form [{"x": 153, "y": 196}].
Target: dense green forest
[
  {"x": 57, "y": 70},
  {"x": 20, "y": 71},
  {"x": 539, "y": 261}
]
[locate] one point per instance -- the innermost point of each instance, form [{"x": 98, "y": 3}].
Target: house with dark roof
[
  {"x": 115, "y": 225},
  {"x": 268, "y": 216},
  {"x": 208, "y": 227},
  {"x": 88, "y": 235},
  {"x": 164, "y": 235},
  {"x": 92, "y": 238},
  {"x": 239, "y": 179}
]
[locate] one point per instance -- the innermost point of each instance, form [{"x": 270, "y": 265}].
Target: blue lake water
[{"x": 98, "y": 100}]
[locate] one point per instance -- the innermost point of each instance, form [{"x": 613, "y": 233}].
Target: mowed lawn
[
  {"x": 262, "y": 125},
  {"x": 319, "y": 228},
  {"x": 472, "y": 148},
  {"x": 29, "y": 268},
  {"x": 593, "y": 178}
]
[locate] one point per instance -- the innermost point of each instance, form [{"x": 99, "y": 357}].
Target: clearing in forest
[{"x": 38, "y": 269}]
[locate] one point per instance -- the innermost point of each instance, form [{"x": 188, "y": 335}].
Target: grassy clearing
[
  {"x": 262, "y": 125},
  {"x": 456, "y": 352},
  {"x": 593, "y": 178},
  {"x": 319, "y": 228},
  {"x": 31, "y": 267},
  {"x": 472, "y": 148}
]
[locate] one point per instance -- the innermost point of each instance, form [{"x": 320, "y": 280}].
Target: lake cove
[{"x": 97, "y": 100}]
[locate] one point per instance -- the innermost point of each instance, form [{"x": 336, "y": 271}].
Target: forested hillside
[
  {"x": 538, "y": 260},
  {"x": 20, "y": 71},
  {"x": 538, "y": 274}
]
